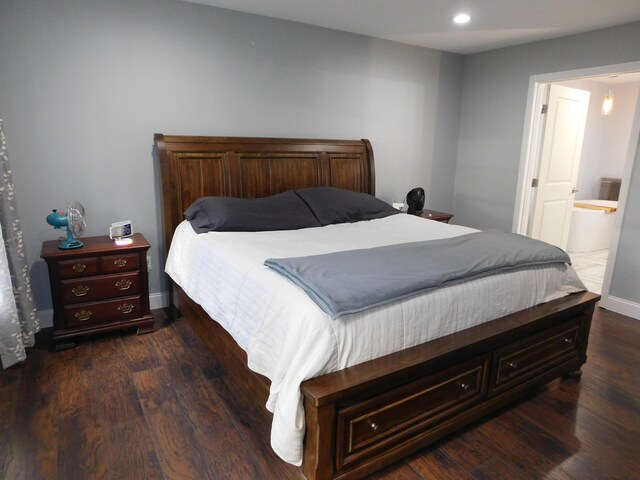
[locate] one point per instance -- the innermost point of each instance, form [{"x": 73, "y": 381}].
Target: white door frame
[{"x": 530, "y": 148}]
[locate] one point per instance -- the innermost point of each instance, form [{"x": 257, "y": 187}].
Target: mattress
[{"x": 289, "y": 339}]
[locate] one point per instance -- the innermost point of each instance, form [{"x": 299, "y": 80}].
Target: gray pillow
[
  {"x": 285, "y": 211},
  {"x": 334, "y": 205}
]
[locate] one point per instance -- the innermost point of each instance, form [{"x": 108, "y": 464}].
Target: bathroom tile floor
[{"x": 590, "y": 268}]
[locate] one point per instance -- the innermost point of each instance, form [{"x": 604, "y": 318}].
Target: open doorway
[
  {"x": 608, "y": 151},
  {"x": 604, "y": 154}
]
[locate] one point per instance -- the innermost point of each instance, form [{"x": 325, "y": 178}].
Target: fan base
[{"x": 69, "y": 244}]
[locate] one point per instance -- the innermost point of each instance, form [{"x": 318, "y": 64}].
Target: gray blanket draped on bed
[{"x": 352, "y": 281}]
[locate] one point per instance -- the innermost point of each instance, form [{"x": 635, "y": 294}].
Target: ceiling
[
  {"x": 618, "y": 78},
  {"x": 428, "y": 23}
]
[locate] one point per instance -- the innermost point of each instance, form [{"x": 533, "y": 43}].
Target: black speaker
[{"x": 415, "y": 201}]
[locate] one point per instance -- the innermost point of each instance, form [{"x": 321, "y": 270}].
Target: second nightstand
[
  {"x": 98, "y": 287},
  {"x": 437, "y": 216}
]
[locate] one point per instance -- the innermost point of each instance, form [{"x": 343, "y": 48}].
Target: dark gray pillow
[
  {"x": 334, "y": 205},
  {"x": 285, "y": 211}
]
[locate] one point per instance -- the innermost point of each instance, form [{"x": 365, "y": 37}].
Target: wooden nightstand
[
  {"x": 437, "y": 216},
  {"x": 98, "y": 287}
]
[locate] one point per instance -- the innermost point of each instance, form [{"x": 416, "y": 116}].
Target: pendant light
[{"x": 607, "y": 104}]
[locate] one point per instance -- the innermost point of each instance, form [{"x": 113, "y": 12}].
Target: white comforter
[{"x": 289, "y": 339}]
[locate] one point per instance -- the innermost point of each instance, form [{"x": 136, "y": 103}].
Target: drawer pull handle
[
  {"x": 80, "y": 290},
  {"x": 79, "y": 267},
  {"x": 120, "y": 262},
  {"x": 514, "y": 366},
  {"x": 568, "y": 341},
  {"x": 83, "y": 315},
  {"x": 123, "y": 284},
  {"x": 374, "y": 426},
  {"x": 125, "y": 308},
  {"x": 464, "y": 386}
]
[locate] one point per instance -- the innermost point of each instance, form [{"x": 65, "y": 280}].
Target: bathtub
[{"x": 591, "y": 229}]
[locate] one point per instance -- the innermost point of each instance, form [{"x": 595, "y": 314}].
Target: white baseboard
[
  {"x": 156, "y": 300},
  {"x": 621, "y": 306}
]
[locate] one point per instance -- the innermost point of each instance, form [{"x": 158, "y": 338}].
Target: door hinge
[
  {"x": 534, "y": 182},
  {"x": 545, "y": 107}
]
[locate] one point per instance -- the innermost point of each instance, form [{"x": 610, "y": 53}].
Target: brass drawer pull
[
  {"x": 123, "y": 284},
  {"x": 83, "y": 315},
  {"x": 80, "y": 290},
  {"x": 464, "y": 386},
  {"x": 125, "y": 308},
  {"x": 120, "y": 262},
  {"x": 568, "y": 341},
  {"x": 79, "y": 267},
  {"x": 514, "y": 366},
  {"x": 374, "y": 426}
]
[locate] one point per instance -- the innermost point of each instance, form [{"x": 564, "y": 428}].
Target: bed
[{"x": 363, "y": 417}]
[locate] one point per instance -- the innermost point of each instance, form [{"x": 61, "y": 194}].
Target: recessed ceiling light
[{"x": 461, "y": 18}]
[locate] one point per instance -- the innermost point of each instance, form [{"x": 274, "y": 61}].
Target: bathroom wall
[{"x": 607, "y": 137}]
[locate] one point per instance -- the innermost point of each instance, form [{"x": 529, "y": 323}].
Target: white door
[{"x": 559, "y": 163}]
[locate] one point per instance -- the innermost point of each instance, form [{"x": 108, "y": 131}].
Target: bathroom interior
[{"x": 604, "y": 154}]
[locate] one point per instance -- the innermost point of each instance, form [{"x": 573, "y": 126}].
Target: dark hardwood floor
[{"x": 157, "y": 406}]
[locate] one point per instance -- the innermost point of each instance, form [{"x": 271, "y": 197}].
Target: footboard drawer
[
  {"x": 525, "y": 359},
  {"x": 387, "y": 419}
]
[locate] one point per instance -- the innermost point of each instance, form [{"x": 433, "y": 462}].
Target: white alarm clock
[{"x": 119, "y": 231}]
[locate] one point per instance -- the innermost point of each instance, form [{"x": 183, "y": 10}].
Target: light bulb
[
  {"x": 461, "y": 18},
  {"x": 607, "y": 104}
]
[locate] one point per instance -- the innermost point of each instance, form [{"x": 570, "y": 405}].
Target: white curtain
[{"x": 18, "y": 316}]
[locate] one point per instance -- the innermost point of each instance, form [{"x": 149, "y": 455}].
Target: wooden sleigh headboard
[{"x": 193, "y": 167}]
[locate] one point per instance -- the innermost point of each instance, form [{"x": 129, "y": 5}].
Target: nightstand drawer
[
  {"x": 99, "y": 288},
  {"x": 119, "y": 263},
  {"x": 102, "y": 312},
  {"x": 83, "y": 267},
  {"x": 80, "y": 267}
]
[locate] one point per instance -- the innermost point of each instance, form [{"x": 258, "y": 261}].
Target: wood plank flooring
[{"x": 156, "y": 406}]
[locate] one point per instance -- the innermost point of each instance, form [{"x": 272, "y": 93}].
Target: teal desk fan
[{"x": 73, "y": 221}]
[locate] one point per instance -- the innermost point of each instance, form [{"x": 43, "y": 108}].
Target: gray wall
[
  {"x": 495, "y": 88},
  {"x": 625, "y": 283},
  {"x": 84, "y": 84}
]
